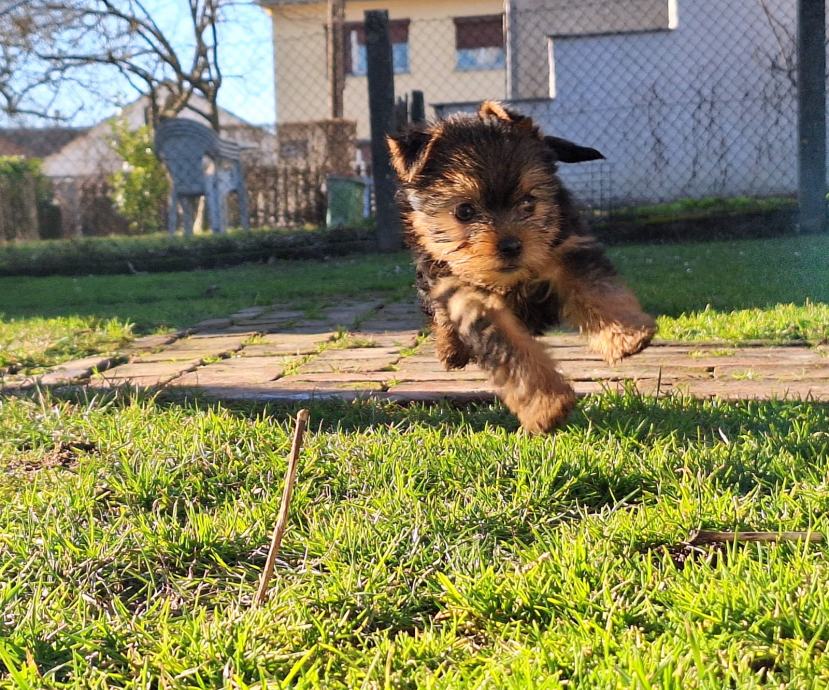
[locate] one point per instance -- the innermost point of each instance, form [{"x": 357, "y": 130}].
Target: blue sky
[{"x": 245, "y": 56}]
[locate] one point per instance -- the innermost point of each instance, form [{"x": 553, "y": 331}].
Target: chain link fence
[{"x": 692, "y": 102}]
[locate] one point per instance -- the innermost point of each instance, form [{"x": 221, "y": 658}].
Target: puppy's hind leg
[{"x": 524, "y": 375}]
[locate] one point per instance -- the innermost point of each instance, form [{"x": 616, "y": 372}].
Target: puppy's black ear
[
  {"x": 495, "y": 109},
  {"x": 568, "y": 152},
  {"x": 409, "y": 150}
]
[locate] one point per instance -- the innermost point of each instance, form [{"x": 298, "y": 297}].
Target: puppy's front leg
[
  {"x": 524, "y": 375},
  {"x": 448, "y": 345},
  {"x": 596, "y": 300}
]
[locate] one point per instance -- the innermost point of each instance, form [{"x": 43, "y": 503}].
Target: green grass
[
  {"x": 427, "y": 547},
  {"x": 707, "y": 206},
  {"x": 28, "y": 345},
  {"x": 701, "y": 291}
]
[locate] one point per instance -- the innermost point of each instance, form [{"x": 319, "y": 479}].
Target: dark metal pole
[
  {"x": 811, "y": 114},
  {"x": 381, "y": 108},
  {"x": 418, "y": 107}
]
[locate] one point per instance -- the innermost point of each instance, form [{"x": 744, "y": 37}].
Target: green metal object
[{"x": 345, "y": 202}]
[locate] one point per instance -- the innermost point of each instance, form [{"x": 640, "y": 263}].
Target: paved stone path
[{"x": 368, "y": 348}]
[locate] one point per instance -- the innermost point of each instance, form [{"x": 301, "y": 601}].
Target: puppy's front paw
[
  {"x": 543, "y": 412},
  {"x": 620, "y": 340},
  {"x": 451, "y": 352}
]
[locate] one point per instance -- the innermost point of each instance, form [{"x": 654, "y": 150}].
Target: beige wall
[{"x": 299, "y": 52}]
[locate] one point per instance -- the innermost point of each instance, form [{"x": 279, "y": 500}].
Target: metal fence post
[
  {"x": 380, "y": 70},
  {"x": 418, "y": 107},
  {"x": 811, "y": 114}
]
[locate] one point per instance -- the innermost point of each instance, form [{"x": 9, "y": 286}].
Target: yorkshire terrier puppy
[{"x": 501, "y": 256}]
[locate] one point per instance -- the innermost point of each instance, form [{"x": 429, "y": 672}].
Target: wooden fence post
[
  {"x": 811, "y": 114},
  {"x": 381, "y": 108}
]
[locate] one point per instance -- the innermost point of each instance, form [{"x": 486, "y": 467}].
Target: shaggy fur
[{"x": 501, "y": 256}]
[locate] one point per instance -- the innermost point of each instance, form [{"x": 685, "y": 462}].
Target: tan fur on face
[{"x": 472, "y": 248}]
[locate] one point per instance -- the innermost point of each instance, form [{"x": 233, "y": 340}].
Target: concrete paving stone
[
  {"x": 274, "y": 316},
  {"x": 285, "y": 343},
  {"x": 73, "y": 371},
  {"x": 321, "y": 366},
  {"x": 424, "y": 374},
  {"x": 285, "y": 395},
  {"x": 150, "y": 342},
  {"x": 147, "y": 373},
  {"x": 782, "y": 372},
  {"x": 247, "y": 313},
  {"x": 337, "y": 377},
  {"x": 212, "y": 324},
  {"x": 304, "y": 328},
  {"x": 195, "y": 347},
  {"x": 760, "y": 390},
  {"x": 428, "y": 391},
  {"x": 405, "y": 338},
  {"x": 235, "y": 371},
  {"x": 347, "y": 353}
]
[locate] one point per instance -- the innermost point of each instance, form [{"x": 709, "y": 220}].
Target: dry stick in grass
[
  {"x": 699, "y": 537},
  {"x": 282, "y": 520}
]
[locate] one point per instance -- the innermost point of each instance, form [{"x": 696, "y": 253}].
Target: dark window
[
  {"x": 355, "y": 47},
  {"x": 479, "y": 42}
]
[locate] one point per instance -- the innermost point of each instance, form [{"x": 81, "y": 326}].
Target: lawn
[
  {"x": 755, "y": 289},
  {"x": 428, "y": 547}
]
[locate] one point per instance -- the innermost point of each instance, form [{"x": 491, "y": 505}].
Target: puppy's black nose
[{"x": 509, "y": 247}]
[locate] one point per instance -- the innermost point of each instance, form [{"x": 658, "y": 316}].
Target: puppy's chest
[{"x": 536, "y": 304}]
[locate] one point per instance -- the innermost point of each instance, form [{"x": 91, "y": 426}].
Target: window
[
  {"x": 479, "y": 42},
  {"x": 355, "y": 47}
]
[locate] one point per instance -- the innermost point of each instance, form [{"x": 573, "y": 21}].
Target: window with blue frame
[
  {"x": 355, "y": 47},
  {"x": 479, "y": 42}
]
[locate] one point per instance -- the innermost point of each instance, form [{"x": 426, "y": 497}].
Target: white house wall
[{"x": 690, "y": 112}]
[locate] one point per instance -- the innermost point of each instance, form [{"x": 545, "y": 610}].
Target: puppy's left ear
[
  {"x": 568, "y": 152},
  {"x": 409, "y": 150},
  {"x": 495, "y": 109}
]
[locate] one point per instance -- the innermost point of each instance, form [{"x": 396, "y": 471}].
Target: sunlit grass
[{"x": 427, "y": 547}]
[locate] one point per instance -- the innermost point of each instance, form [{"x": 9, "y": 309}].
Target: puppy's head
[{"x": 482, "y": 193}]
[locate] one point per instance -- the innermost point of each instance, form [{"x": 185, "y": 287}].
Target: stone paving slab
[
  {"x": 142, "y": 374},
  {"x": 277, "y": 354},
  {"x": 285, "y": 343},
  {"x": 235, "y": 371},
  {"x": 71, "y": 371}
]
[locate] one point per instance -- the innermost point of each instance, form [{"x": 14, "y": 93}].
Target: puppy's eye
[
  {"x": 464, "y": 212},
  {"x": 527, "y": 205}
]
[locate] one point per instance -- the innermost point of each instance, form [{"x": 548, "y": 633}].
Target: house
[
  {"x": 697, "y": 100},
  {"x": 91, "y": 154},
  {"x": 686, "y": 98},
  {"x": 79, "y": 161},
  {"x": 452, "y": 49},
  {"x": 37, "y": 142}
]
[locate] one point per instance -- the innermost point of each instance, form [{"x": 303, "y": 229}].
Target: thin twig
[
  {"x": 282, "y": 520},
  {"x": 712, "y": 537}
]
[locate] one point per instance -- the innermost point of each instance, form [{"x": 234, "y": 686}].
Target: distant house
[
  {"x": 37, "y": 142},
  {"x": 79, "y": 161},
  {"x": 452, "y": 49},
  {"x": 90, "y": 153},
  {"x": 686, "y": 98},
  {"x": 693, "y": 99}
]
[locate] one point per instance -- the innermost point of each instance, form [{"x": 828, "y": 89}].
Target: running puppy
[{"x": 501, "y": 256}]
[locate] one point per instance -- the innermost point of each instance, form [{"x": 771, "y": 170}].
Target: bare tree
[{"x": 71, "y": 43}]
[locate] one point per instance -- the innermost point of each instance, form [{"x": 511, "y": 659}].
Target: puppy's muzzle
[{"x": 509, "y": 248}]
